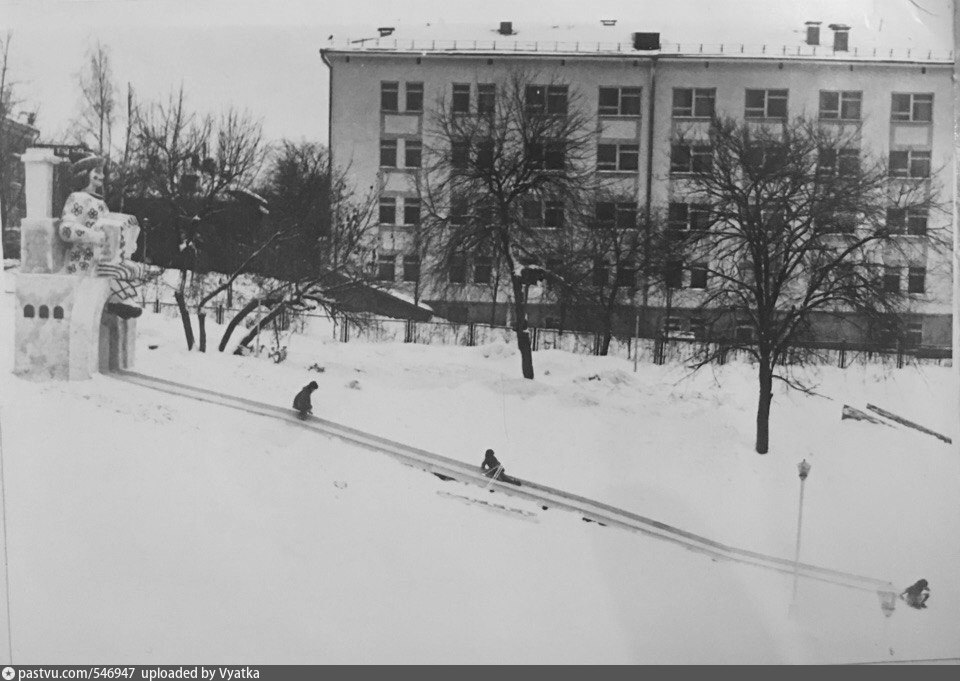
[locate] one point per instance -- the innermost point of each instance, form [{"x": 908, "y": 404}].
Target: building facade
[{"x": 651, "y": 103}]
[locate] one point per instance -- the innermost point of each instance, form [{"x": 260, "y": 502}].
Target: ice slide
[{"x": 545, "y": 496}]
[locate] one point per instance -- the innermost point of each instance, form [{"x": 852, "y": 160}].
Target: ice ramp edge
[
  {"x": 545, "y": 496},
  {"x": 909, "y": 424}
]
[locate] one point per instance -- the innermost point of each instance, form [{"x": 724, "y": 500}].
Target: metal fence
[{"x": 645, "y": 350}]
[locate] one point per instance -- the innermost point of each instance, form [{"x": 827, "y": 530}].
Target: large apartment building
[{"x": 651, "y": 101}]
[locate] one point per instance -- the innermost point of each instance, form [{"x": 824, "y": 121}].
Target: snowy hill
[{"x": 149, "y": 528}]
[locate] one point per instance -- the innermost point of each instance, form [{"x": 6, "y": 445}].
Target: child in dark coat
[
  {"x": 302, "y": 401},
  {"x": 492, "y": 468},
  {"x": 917, "y": 594}
]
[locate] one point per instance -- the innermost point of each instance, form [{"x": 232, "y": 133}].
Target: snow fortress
[{"x": 65, "y": 329}]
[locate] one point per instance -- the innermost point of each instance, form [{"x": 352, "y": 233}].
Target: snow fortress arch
[{"x": 82, "y": 335}]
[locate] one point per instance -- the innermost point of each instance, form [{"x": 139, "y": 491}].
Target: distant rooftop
[{"x": 892, "y": 33}]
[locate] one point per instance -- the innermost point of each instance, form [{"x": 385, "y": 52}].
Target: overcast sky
[{"x": 264, "y": 56}]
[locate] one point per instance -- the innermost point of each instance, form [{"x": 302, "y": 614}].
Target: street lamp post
[{"x": 803, "y": 469}]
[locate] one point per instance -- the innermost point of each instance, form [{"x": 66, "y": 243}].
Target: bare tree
[
  {"x": 95, "y": 122},
  {"x": 191, "y": 161},
  {"x": 14, "y": 137},
  {"x": 800, "y": 222},
  {"x": 528, "y": 139},
  {"x": 103, "y": 118},
  {"x": 325, "y": 235},
  {"x": 601, "y": 260}
]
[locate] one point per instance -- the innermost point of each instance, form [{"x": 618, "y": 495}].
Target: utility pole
[{"x": 803, "y": 468}]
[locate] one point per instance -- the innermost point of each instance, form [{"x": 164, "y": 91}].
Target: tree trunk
[
  {"x": 520, "y": 327},
  {"x": 763, "y": 406},
  {"x": 202, "y": 326},
  {"x": 269, "y": 317},
  {"x": 605, "y": 342},
  {"x": 240, "y": 316},
  {"x": 185, "y": 318}
]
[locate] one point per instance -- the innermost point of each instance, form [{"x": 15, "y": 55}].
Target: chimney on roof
[
  {"x": 384, "y": 31},
  {"x": 841, "y": 37},
  {"x": 813, "y": 32},
  {"x": 506, "y": 28},
  {"x": 646, "y": 41}
]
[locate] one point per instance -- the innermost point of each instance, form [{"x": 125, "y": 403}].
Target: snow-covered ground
[{"x": 148, "y": 528}]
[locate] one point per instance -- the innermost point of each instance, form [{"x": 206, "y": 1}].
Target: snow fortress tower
[{"x": 67, "y": 322}]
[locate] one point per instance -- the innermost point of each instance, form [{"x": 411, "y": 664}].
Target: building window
[
  {"x": 617, "y": 214},
  {"x": 458, "y": 269},
  {"x": 682, "y": 217},
  {"x": 412, "y": 153},
  {"x": 690, "y": 158},
  {"x": 841, "y": 39},
  {"x": 766, "y": 104},
  {"x": 414, "y": 96},
  {"x": 459, "y": 155},
  {"x": 389, "y": 96},
  {"x": 845, "y": 162},
  {"x": 673, "y": 274},
  {"x": 843, "y": 105},
  {"x": 544, "y": 155},
  {"x": 486, "y": 98},
  {"x": 44, "y": 312},
  {"x": 911, "y": 163},
  {"x": 694, "y": 102},
  {"x": 458, "y": 209},
  {"x": 388, "y": 211},
  {"x": 891, "y": 280},
  {"x": 28, "y": 311},
  {"x": 386, "y": 267},
  {"x": 546, "y": 214},
  {"x": 461, "y": 98},
  {"x": 916, "y": 280},
  {"x": 912, "y": 221},
  {"x": 912, "y": 107},
  {"x": 698, "y": 328},
  {"x": 744, "y": 333},
  {"x": 551, "y": 99},
  {"x": 388, "y": 153},
  {"x": 482, "y": 269},
  {"x": 411, "y": 267},
  {"x": 671, "y": 325},
  {"x": 917, "y": 221},
  {"x": 533, "y": 211},
  {"x": 619, "y": 101},
  {"x": 485, "y": 154},
  {"x": 837, "y": 223},
  {"x": 58, "y": 312},
  {"x": 601, "y": 273},
  {"x": 698, "y": 276},
  {"x": 553, "y": 214},
  {"x": 913, "y": 336},
  {"x": 411, "y": 211},
  {"x": 618, "y": 157},
  {"x": 626, "y": 276}
]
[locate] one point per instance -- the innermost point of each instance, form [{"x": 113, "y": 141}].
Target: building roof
[{"x": 881, "y": 30}]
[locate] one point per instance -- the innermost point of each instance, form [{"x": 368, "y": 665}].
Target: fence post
[
  {"x": 843, "y": 354},
  {"x": 471, "y": 337},
  {"x": 219, "y": 314},
  {"x": 156, "y": 305},
  {"x": 900, "y": 353}
]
